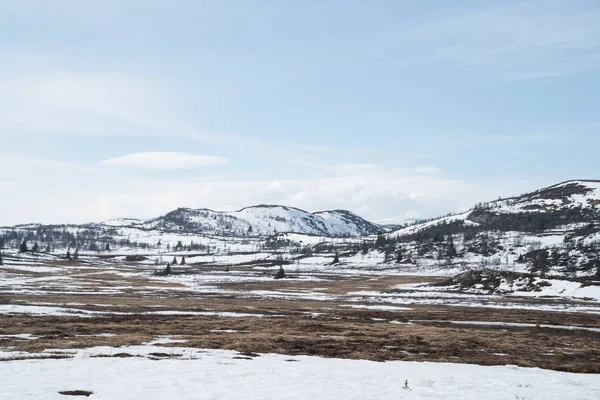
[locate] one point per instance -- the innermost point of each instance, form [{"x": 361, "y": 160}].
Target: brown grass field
[{"x": 298, "y": 326}]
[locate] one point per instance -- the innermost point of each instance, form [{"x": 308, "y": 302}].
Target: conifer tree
[
  {"x": 336, "y": 258},
  {"x": 23, "y": 248},
  {"x": 451, "y": 249},
  {"x": 280, "y": 273},
  {"x": 365, "y": 248},
  {"x": 381, "y": 240},
  {"x": 399, "y": 256}
]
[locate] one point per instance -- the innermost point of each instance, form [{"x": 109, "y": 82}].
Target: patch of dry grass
[
  {"x": 357, "y": 338},
  {"x": 305, "y": 326}
]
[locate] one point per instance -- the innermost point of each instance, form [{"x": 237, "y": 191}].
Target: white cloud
[
  {"x": 55, "y": 192},
  {"x": 164, "y": 161},
  {"x": 428, "y": 169}
]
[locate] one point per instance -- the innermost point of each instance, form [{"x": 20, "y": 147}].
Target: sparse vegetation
[
  {"x": 280, "y": 273},
  {"x": 23, "y": 248},
  {"x": 85, "y": 393}
]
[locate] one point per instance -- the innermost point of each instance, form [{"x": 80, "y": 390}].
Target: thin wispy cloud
[
  {"x": 76, "y": 102},
  {"x": 164, "y": 161},
  {"x": 530, "y": 40}
]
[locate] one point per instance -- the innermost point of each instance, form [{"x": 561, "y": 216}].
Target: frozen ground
[
  {"x": 157, "y": 372},
  {"x": 361, "y": 308},
  {"x": 233, "y": 274}
]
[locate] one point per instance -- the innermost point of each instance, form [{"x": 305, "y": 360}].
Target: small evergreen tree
[
  {"x": 280, "y": 273},
  {"x": 365, "y": 248},
  {"x": 174, "y": 261},
  {"x": 399, "y": 256},
  {"x": 1, "y": 259},
  {"x": 179, "y": 246},
  {"x": 68, "y": 254},
  {"x": 387, "y": 255},
  {"x": 336, "y": 258},
  {"x": 168, "y": 269},
  {"x": 451, "y": 252},
  {"x": 36, "y": 248},
  {"x": 23, "y": 248},
  {"x": 381, "y": 240},
  {"x": 182, "y": 261},
  {"x": 541, "y": 263},
  {"x": 107, "y": 247}
]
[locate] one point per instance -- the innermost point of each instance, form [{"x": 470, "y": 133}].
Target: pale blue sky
[{"x": 392, "y": 109}]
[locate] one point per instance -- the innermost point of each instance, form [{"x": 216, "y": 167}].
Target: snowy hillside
[
  {"x": 566, "y": 195},
  {"x": 260, "y": 220},
  {"x": 552, "y": 230},
  {"x": 201, "y": 230},
  {"x": 558, "y": 206}
]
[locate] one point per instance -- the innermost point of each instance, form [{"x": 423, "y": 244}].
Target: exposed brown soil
[
  {"x": 352, "y": 334},
  {"x": 310, "y": 327}
]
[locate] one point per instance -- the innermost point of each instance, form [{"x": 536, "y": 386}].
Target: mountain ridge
[
  {"x": 257, "y": 220},
  {"x": 555, "y": 230}
]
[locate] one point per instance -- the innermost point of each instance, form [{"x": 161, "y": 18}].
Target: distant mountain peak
[
  {"x": 272, "y": 206},
  {"x": 263, "y": 219},
  {"x": 568, "y": 202}
]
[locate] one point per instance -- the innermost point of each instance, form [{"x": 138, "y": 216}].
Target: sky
[{"x": 390, "y": 109}]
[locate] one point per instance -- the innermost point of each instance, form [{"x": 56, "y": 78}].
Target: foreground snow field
[{"x": 217, "y": 374}]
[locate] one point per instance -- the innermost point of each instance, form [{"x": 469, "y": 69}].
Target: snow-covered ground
[
  {"x": 25, "y": 275},
  {"x": 555, "y": 288},
  {"x": 187, "y": 373},
  {"x": 39, "y": 310},
  {"x": 548, "y": 288}
]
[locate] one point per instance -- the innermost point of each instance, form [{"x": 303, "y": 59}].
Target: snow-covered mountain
[
  {"x": 262, "y": 220},
  {"x": 198, "y": 228},
  {"x": 555, "y": 229},
  {"x": 562, "y": 206}
]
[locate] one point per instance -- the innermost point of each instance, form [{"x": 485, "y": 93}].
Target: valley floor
[{"x": 115, "y": 328}]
